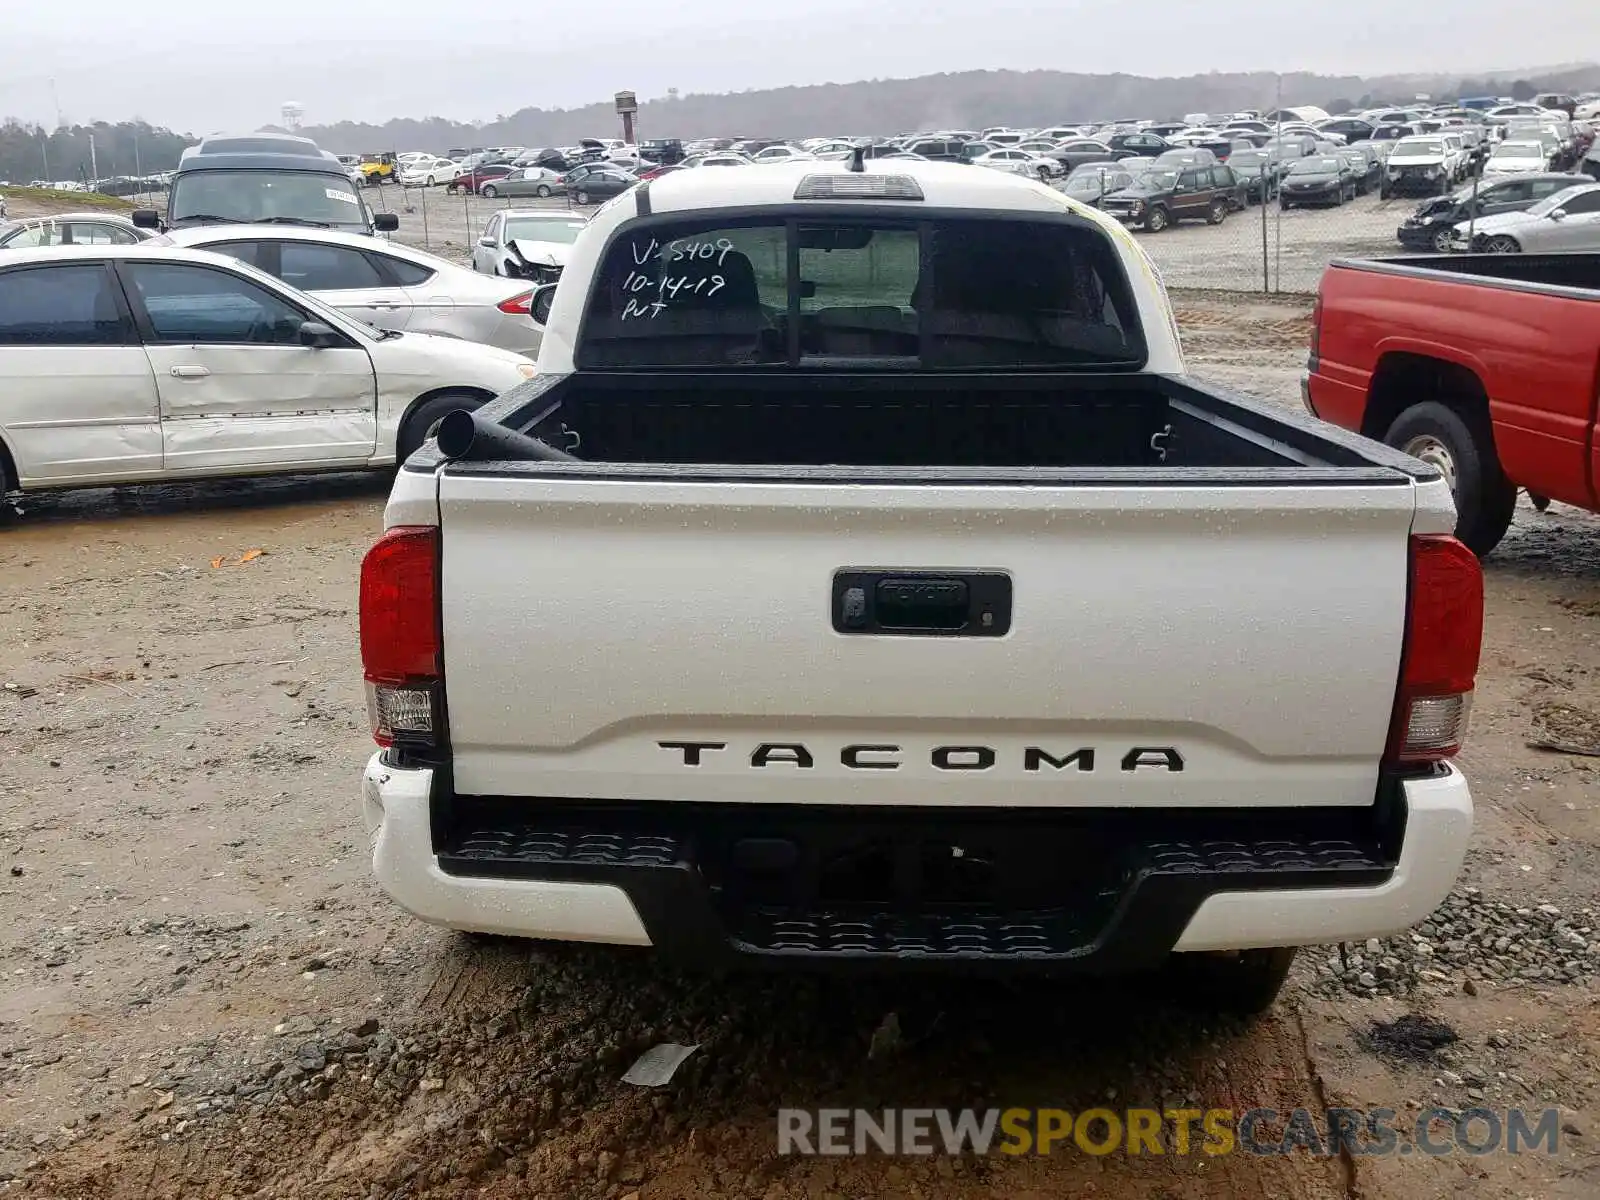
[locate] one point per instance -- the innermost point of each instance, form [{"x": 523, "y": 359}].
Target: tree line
[{"x": 30, "y": 152}]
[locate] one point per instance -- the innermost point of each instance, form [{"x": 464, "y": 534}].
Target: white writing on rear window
[{"x": 649, "y": 296}]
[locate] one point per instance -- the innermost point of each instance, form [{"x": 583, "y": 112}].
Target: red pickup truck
[{"x": 1486, "y": 366}]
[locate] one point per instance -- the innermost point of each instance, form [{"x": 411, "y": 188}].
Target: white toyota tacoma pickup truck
[{"x": 862, "y": 581}]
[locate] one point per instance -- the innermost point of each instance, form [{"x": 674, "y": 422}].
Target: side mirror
[
  {"x": 385, "y": 222},
  {"x": 146, "y": 218},
  {"x": 318, "y": 336},
  {"x": 487, "y": 241},
  {"x": 539, "y": 307},
  {"x": 1559, "y": 214}
]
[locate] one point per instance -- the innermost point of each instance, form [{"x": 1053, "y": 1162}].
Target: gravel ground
[
  {"x": 202, "y": 995},
  {"x": 1287, "y": 250}
]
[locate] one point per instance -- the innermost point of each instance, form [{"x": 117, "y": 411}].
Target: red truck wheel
[{"x": 1464, "y": 454}]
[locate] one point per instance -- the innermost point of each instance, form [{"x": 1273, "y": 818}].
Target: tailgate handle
[{"x": 927, "y": 603}]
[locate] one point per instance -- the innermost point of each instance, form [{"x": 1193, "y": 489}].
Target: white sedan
[
  {"x": 385, "y": 284},
  {"x": 142, "y": 364},
  {"x": 781, "y": 154},
  {"x": 720, "y": 158},
  {"x": 1019, "y": 162},
  {"x": 527, "y": 244},
  {"x": 427, "y": 172},
  {"x": 1517, "y": 158}
]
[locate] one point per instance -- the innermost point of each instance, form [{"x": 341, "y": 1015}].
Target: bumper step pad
[{"x": 1085, "y": 890}]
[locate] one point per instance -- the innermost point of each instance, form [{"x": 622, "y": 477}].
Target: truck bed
[
  {"x": 936, "y": 425},
  {"x": 1563, "y": 273},
  {"x": 1489, "y": 359}
]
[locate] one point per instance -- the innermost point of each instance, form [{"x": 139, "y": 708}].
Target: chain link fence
[
  {"x": 447, "y": 223},
  {"x": 1265, "y": 249},
  {"x": 1260, "y": 248}
]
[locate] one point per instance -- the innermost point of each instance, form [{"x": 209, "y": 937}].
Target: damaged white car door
[
  {"x": 239, "y": 385},
  {"x": 77, "y": 398}
]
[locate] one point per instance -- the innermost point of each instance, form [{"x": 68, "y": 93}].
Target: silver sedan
[
  {"x": 526, "y": 181},
  {"x": 382, "y": 283}
]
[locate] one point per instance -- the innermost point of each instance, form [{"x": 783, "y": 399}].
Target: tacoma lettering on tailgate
[{"x": 888, "y": 757}]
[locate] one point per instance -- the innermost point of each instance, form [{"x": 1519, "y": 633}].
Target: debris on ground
[
  {"x": 657, "y": 1065},
  {"x": 1413, "y": 1037}
]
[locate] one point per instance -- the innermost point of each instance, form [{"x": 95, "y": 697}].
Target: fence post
[
  {"x": 1472, "y": 215},
  {"x": 1266, "y": 281},
  {"x": 1277, "y": 140}
]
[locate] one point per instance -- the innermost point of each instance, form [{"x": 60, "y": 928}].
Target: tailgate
[{"x": 1206, "y": 645}]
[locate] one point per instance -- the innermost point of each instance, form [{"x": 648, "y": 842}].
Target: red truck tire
[{"x": 1463, "y": 450}]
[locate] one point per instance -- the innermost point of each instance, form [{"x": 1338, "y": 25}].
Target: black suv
[
  {"x": 1429, "y": 227},
  {"x": 1163, "y": 195}
]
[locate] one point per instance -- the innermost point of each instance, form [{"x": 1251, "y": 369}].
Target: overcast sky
[{"x": 203, "y": 66}]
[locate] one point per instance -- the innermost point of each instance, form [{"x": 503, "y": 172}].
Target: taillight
[
  {"x": 520, "y": 305},
  {"x": 1316, "y": 330},
  {"x": 1444, "y": 632},
  {"x": 400, "y": 635}
]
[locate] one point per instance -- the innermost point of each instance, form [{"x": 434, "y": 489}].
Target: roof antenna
[{"x": 858, "y": 159}]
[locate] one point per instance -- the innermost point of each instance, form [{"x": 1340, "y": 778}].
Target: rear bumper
[{"x": 751, "y": 885}]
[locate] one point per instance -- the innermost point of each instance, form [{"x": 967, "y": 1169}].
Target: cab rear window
[{"x": 855, "y": 291}]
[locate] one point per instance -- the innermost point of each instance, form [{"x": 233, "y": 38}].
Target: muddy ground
[{"x": 201, "y": 993}]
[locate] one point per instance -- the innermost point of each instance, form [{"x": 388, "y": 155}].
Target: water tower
[{"x": 292, "y": 111}]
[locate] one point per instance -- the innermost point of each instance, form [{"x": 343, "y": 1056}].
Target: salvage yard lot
[
  {"x": 1298, "y": 243},
  {"x": 202, "y": 994}
]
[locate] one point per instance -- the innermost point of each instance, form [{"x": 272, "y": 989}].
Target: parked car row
[{"x": 1191, "y": 185}]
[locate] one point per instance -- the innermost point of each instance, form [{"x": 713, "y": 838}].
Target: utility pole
[
  {"x": 94, "y": 165},
  {"x": 44, "y": 149}
]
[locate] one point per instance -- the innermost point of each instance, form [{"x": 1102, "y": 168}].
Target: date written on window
[{"x": 652, "y": 301}]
